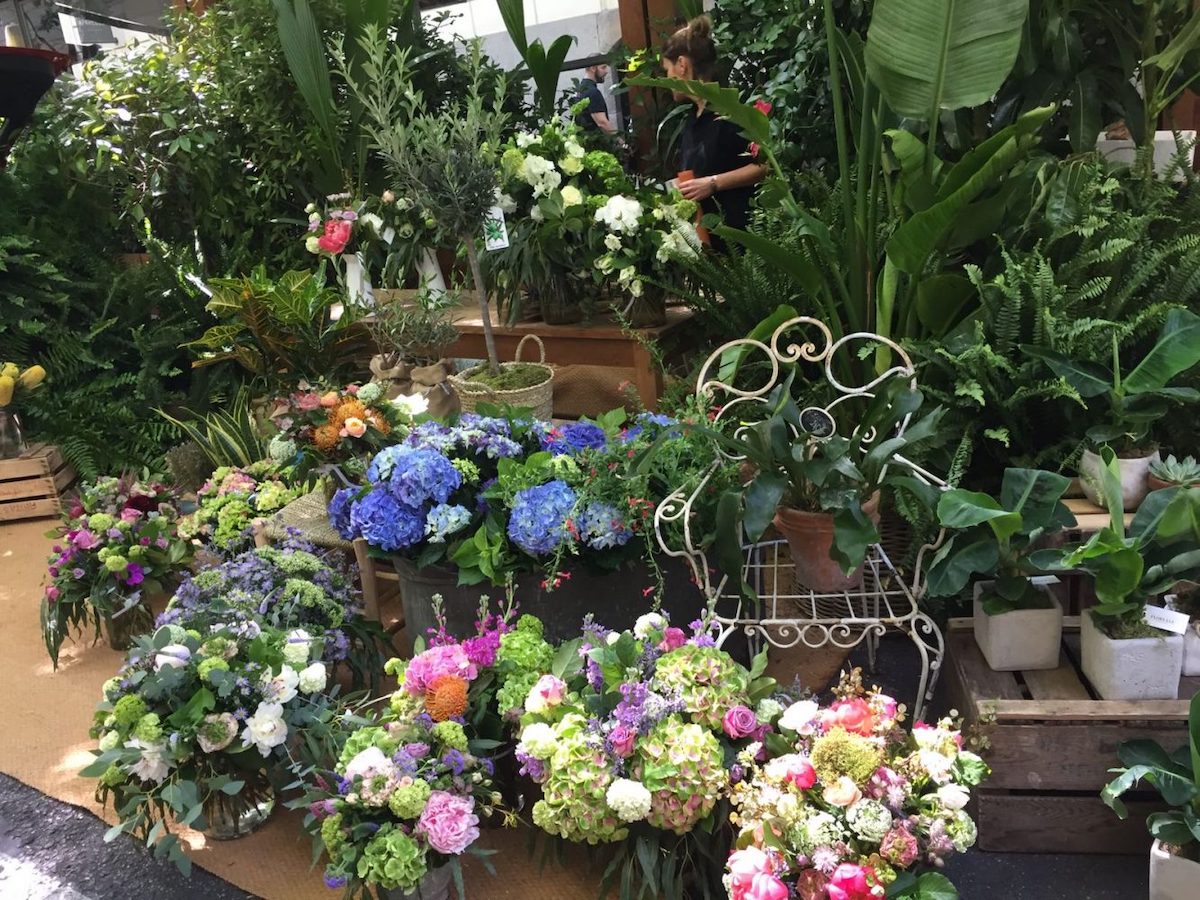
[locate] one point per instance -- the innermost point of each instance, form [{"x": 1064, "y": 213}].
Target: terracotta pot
[
  {"x": 1157, "y": 484},
  {"x": 810, "y": 536}
]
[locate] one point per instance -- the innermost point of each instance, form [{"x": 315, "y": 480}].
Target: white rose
[
  {"x": 649, "y": 622},
  {"x": 612, "y": 242},
  {"x": 628, "y": 799},
  {"x": 266, "y": 729},
  {"x": 296, "y": 647},
  {"x": 574, "y": 149},
  {"x": 572, "y": 196},
  {"x": 412, "y": 404},
  {"x": 312, "y": 679},
  {"x": 799, "y": 717},
  {"x": 953, "y": 796},
  {"x": 539, "y": 740},
  {"x": 174, "y": 655}
]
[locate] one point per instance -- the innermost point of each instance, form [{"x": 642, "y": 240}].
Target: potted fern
[
  {"x": 1017, "y": 623},
  {"x": 1135, "y": 401},
  {"x": 1175, "y": 854}
]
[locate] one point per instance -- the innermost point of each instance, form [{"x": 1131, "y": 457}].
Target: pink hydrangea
[
  {"x": 449, "y": 823},
  {"x": 447, "y": 659}
]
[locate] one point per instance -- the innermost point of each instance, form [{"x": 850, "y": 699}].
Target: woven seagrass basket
[{"x": 539, "y": 397}]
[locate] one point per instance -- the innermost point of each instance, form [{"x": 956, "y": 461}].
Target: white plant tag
[
  {"x": 1166, "y": 619},
  {"x": 495, "y": 231}
]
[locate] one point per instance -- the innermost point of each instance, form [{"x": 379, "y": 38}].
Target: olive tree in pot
[
  {"x": 1124, "y": 657},
  {"x": 1017, "y": 624},
  {"x": 821, "y": 490},
  {"x": 1175, "y": 854},
  {"x": 1135, "y": 401}
]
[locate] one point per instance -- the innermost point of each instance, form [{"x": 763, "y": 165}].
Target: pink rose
[
  {"x": 739, "y": 722},
  {"x": 743, "y": 867},
  {"x": 130, "y": 515},
  {"x": 52, "y": 593},
  {"x": 673, "y": 639},
  {"x": 622, "y": 738},
  {"x": 85, "y": 540},
  {"x": 354, "y": 427},
  {"x": 336, "y": 236},
  {"x": 842, "y": 793},
  {"x": 852, "y": 715},
  {"x": 547, "y": 692},
  {"x": 802, "y": 774},
  {"x": 308, "y": 402},
  {"x": 766, "y": 887},
  {"x": 849, "y": 882},
  {"x": 449, "y": 823}
]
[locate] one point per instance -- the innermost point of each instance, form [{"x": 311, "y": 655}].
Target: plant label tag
[
  {"x": 1166, "y": 619},
  {"x": 495, "y": 231}
]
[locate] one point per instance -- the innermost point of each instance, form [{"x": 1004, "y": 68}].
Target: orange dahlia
[
  {"x": 446, "y": 697},
  {"x": 326, "y": 437}
]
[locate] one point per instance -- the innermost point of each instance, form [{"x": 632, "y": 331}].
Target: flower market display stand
[
  {"x": 784, "y": 613},
  {"x": 1051, "y": 744},
  {"x": 32, "y": 485},
  {"x": 604, "y": 343}
]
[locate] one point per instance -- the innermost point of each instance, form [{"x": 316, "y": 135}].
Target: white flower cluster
[
  {"x": 630, "y": 800},
  {"x": 620, "y": 214},
  {"x": 538, "y": 740},
  {"x": 540, "y": 174}
]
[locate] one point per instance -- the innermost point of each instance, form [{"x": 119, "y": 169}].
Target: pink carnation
[
  {"x": 449, "y": 823},
  {"x": 446, "y": 659}
]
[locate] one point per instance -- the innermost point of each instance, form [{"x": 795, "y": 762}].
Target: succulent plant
[{"x": 1183, "y": 472}]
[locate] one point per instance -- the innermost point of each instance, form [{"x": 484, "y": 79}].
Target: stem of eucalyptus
[{"x": 489, "y": 338}]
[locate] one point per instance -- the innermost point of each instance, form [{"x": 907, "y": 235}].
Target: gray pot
[{"x": 436, "y": 885}]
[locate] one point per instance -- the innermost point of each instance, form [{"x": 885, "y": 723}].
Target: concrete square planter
[
  {"x": 1020, "y": 639},
  {"x": 1171, "y": 876},
  {"x": 1191, "y": 649},
  {"x": 1134, "y": 669}
]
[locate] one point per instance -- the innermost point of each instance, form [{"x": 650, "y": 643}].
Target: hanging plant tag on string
[{"x": 495, "y": 231}]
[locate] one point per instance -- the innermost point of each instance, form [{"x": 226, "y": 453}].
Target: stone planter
[
  {"x": 1135, "y": 473},
  {"x": 1191, "y": 649},
  {"x": 434, "y": 886},
  {"x": 1021, "y": 639},
  {"x": 1132, "y": 669},
  {"x": 810, "y": 537},
  {"x": 1172, "y": 877}
]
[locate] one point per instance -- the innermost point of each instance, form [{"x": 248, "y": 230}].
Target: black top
[
  {"x": 588, "y": 91},
  {"x": 711, "y": 145}
]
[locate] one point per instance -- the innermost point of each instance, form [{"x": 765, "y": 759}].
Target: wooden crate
[
  {"x": 33, "y": 485},
  {"x": 1051, "y": 746}
]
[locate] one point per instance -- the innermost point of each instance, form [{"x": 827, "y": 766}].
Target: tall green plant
[{"x": 544, "y": 64}]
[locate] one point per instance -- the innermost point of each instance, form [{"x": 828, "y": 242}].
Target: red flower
[
  {"x": 336, "y": 236},
  {"x": 763, "y": 107}
]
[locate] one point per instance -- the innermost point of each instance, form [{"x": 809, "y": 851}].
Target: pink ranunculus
[
  {"x": 743, "y": 867},
  {"x": 739, "y": 722},
  {"x": 849, "y": 882},
  {"x": 336, "y": 236},
  {"x": 802, "y": 774},
  {"x": 673, "y": 639},
  {"x": 550, "y": 689},
  {"x": 85, "y": 540},
  {"x": 622, "y": 738},
  {"x": 853, "y": 715},
  {"x": 766, "y": 887},
  {"x": 449, "y": 823}
]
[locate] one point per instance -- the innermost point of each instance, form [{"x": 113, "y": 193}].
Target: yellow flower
[
  {"x": 33, "y": 376},
  {"x": 9, "y": 370}
]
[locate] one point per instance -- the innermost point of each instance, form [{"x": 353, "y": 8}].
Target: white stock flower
[
  {"x": 266, "y": 729},
  {"x": 647, "y": 623},
  {"x": 174, "y": 655},
  {"x": 628, "y": 799},
  {"x": 620, "y": 214},
  {"x": 152, "y": 765},
  {"x": 296, "y": 647},
  {"x": 539, "y": 740},
  {"x": 313, "y": 678}
]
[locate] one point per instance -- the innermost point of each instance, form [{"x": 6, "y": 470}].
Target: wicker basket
[{"x": 539, "y": 397}]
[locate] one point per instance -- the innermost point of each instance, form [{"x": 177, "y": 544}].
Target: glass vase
[
  {"x": 123, "y": 625},
  {"x": 230, "y": 817},
  {"x": 434, "y": 886},
  {"x": 12, "y": 441}
]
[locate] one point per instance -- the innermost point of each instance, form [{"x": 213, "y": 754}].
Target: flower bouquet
[
  {"x": 404, "y": 800},
  {"x": 118, "y": 541},
  {"x": 629, "y": 738},
  {"x": 850, "y": 805},
  {"x": 230, "y": 501},
  {"x": 195, "y": 723},
  {"x": 289, "y": 587}
]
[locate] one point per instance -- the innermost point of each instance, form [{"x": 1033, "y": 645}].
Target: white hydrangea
[
  {"x": 647, "y": 623},
  {"x": 620, "y": 214},
  {"x": 628, "y": 799},
  {"x": 572, "y": 196},
  {"x": 820, "y": 829},
  {"x": 539, "y": 740},
  {"x": 296, "y": 648},
  {"x": 675, "y": 245},
  {"x": 869, "y": 819},
  {"x": 312, "y": 678},
  {"x": 540, "y": 174},
  {"x": 266, "y": 729},
  {"x": 411, "y": 405}
]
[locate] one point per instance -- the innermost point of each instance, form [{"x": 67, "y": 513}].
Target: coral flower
[
  {"x": 336, "y": 236},
  {"x": 347, "y": 409},
  {"x": 446, "y": 697},
  {"x": 354, "y": 427},
  {"x": 330, "y": 399}
]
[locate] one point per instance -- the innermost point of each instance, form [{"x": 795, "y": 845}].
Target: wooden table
[{"x": 603, "y": 343}]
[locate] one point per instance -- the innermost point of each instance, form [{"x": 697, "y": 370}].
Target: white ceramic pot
[
  {"x": 1020, "y": 639},
  {"x": 1134, "y": 473},
  {"x": 1171, "y": 876},
  {"x": 1191, "y": 649},
  {"x": 1134, "y": 669}
]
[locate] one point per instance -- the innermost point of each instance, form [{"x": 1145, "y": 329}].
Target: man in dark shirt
[{"x": 595, "y": 116}]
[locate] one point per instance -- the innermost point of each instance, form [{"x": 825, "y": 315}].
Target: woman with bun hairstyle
[{"x": 717, "y": 169}]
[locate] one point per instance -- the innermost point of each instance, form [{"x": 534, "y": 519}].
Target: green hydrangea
[
  {"x": 210, "y": 665},
  {"x": 515, "y": 689},
  {"x": 451, "y": 735},
  {"x": 395, "y": 667},
  {"x": 281, "y": 448},
  {"x": 511, "y": 161},
  {"x": 308, "y": 595},
  {"x": 148, "y": 728},
  {"x": 468, "y": 470},
  {"x": 101, "y": 521},
  {"x": 333, "y": 836},
  {"x": 137, "y": 552},
  {"x": 194, "y": 634},
  {"x": 523, "y": 649},
  {"x": 177, "y": 633},
  {"x": 408, "y": 801},
  {"x": 573, "y": 804},
  {"x": 208, "y": 580},
  {"x": 391, "y": 860},
  {"x": 706, "y": 679},
  {"x": 296, "y": 564},
  {"x": 683, "y": 767},
  {"x": 232, "y": 520},
  {"x": 113, "y": 776},
  {"x": 116, "y": 563},
  {"x": 371, "y": 736},
  {"x": 129, "y": 710}
]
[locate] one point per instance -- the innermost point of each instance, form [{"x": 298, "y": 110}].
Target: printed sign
[
  {"x": 495, "y": 232},
  {"x": 1167, "y": 619}
]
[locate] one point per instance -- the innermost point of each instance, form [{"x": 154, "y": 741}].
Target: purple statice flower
[
  {"x": 592, "y": 670},
  {"x": 322, "y": 809},
  {"x": 736, "y": 773},
  {"x": 337, "y": 645},
  {"x": 454, "y": 761}
]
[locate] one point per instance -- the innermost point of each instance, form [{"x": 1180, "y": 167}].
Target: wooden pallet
[
  {"x": 1051, "y": 746},
  {"x": 33, "y": 484}
]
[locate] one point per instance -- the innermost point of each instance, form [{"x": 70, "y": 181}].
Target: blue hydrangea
[
  {"x": 339, "y": 512},
  {"x": 421, "y": 476},
  {"x": 573, "y": 438},
  {"x": 444, "y": 520},
  {"x": 385, "y": 522},
  {"x": 432, "y": 436},
  {"x": 649, "y": 418},
  {"x": 601, "y": 527},
  {"x": 380, "y": 469},
  {"x": 538, "y": 523}
]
